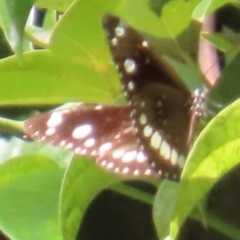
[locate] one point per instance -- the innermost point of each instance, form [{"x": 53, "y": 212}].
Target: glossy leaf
[
  {"x": 82, "y": 182},
  {"x": 13, "y": 17},
  {"x": 24, "y": 183},
  {"x": 212, "y": 156}
]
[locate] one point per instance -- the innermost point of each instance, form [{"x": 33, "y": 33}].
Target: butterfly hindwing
[{"x": 102, "y": 131}]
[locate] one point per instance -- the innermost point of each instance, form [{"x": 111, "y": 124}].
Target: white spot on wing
[
  {"x": 83, "y": 151},
  {"x": 143, "y": 104},
  {"x": 129, "y": 156},
  {"x": 134, "y": 111},
  {"x": 141, "y": 157},
  {"x": 165, "y": 150},
  {"x": 156, "y": 140},
  {"x": 118, "y": 153},
  {"x": 105, "y": 147},
  {"x": 55, "y": 119},
  {"x": 130, "y": 86},
  {"x": 147, "y": 131},
  {"x": 181, "y": 161},
  {"x": 103, "y": 163},
  {"x": 136, "y": 172},
  {"x": 62, "y": 143},
  {"x": 93, "y": 153},
  {"x": 148, "y": 172},
  {"x": 114, "y": 41},
  {"x": 69, "y": 145},
  {"x": 174, "y": 157},
  {"x": 159, "y": 103},
  {"x": 50, "y": 131},
  {"x": 129, "y": 66},
  {"x": 99, "y": 107},
  {"x": 77, "y": 150},
  {"x": 82, "y": 131},
  {"x": 42, "y": 139},
  {"x": 143, "y": 119},
  {"x": 89, "y": 142},
  {"x": 119, "y": 31},
  {"x": 145, "y": 44},
  {"x": 125, "y": 170},
  {"x": 110, "y": 165},
  {"x": 36, "y": 134}
]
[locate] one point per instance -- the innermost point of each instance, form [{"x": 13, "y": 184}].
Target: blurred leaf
[
  {"x": 87, "y": 74},
  {"x": 212, "y": 156},
  {"x": 82, "y": 182},
  {"x": 86, "y": 40},
  {"x": 216, "y": 4},
  {"x": 61, "y": 5},
  {"x": 163, "y": 207},
  {"x": 200, "y": 10},
  {"x": 13, "y": 18},
  {"x": 218, "y": 41},
  {"x": 175, "y": 17},
  {"x": 226, "y": 41},
  {"x": 29, "y": 190},
  {"x": 157, "y": 5},
  {"x": 46, "y": 79},
  {"x": 227, "y": 88},
  {"x": 39, "y": 36},
  {"x": 17, "y": 147}
]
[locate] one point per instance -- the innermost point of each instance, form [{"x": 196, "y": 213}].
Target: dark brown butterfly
[{"x": 147, "y": 138}]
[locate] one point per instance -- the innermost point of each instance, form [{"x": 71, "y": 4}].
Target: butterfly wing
[
  {"x": 159, "y": 102},
  {"x": 104, "y": 132}
]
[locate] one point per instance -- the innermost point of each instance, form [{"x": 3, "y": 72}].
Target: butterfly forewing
[
  {"x": 94, "y": 130},
  {"x": 159, "y": 103}
]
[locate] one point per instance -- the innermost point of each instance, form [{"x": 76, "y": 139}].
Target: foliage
[{"x": 46, "y": 185}]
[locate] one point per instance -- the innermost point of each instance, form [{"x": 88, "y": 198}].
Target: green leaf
[
  {"x": 207, "y": 7},
  {"x": 168, "y": 25},
  {"x": 13, "y": 18},
  {"x": 45, "y": 78},
  {"x": 29, "y": 191},
  {"x": 218, "y": 41},
  {"x": 82, "y": 182},
  {"x": 81, "y": 29},
  {"x": 60, "y": 5},
  {"x": 215, "y": 152},
  {"x": 227, "y": 89},
  {"x": 216, "y": 4},
  {"x": 17, "y": 147},
  {"x": 163, "y": 207},
  {"x": 38, "y": 36},
  {"x": 79, "y": 71}
]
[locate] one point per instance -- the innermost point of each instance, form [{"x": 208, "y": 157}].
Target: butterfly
[{"x": 148, "y": 137}]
